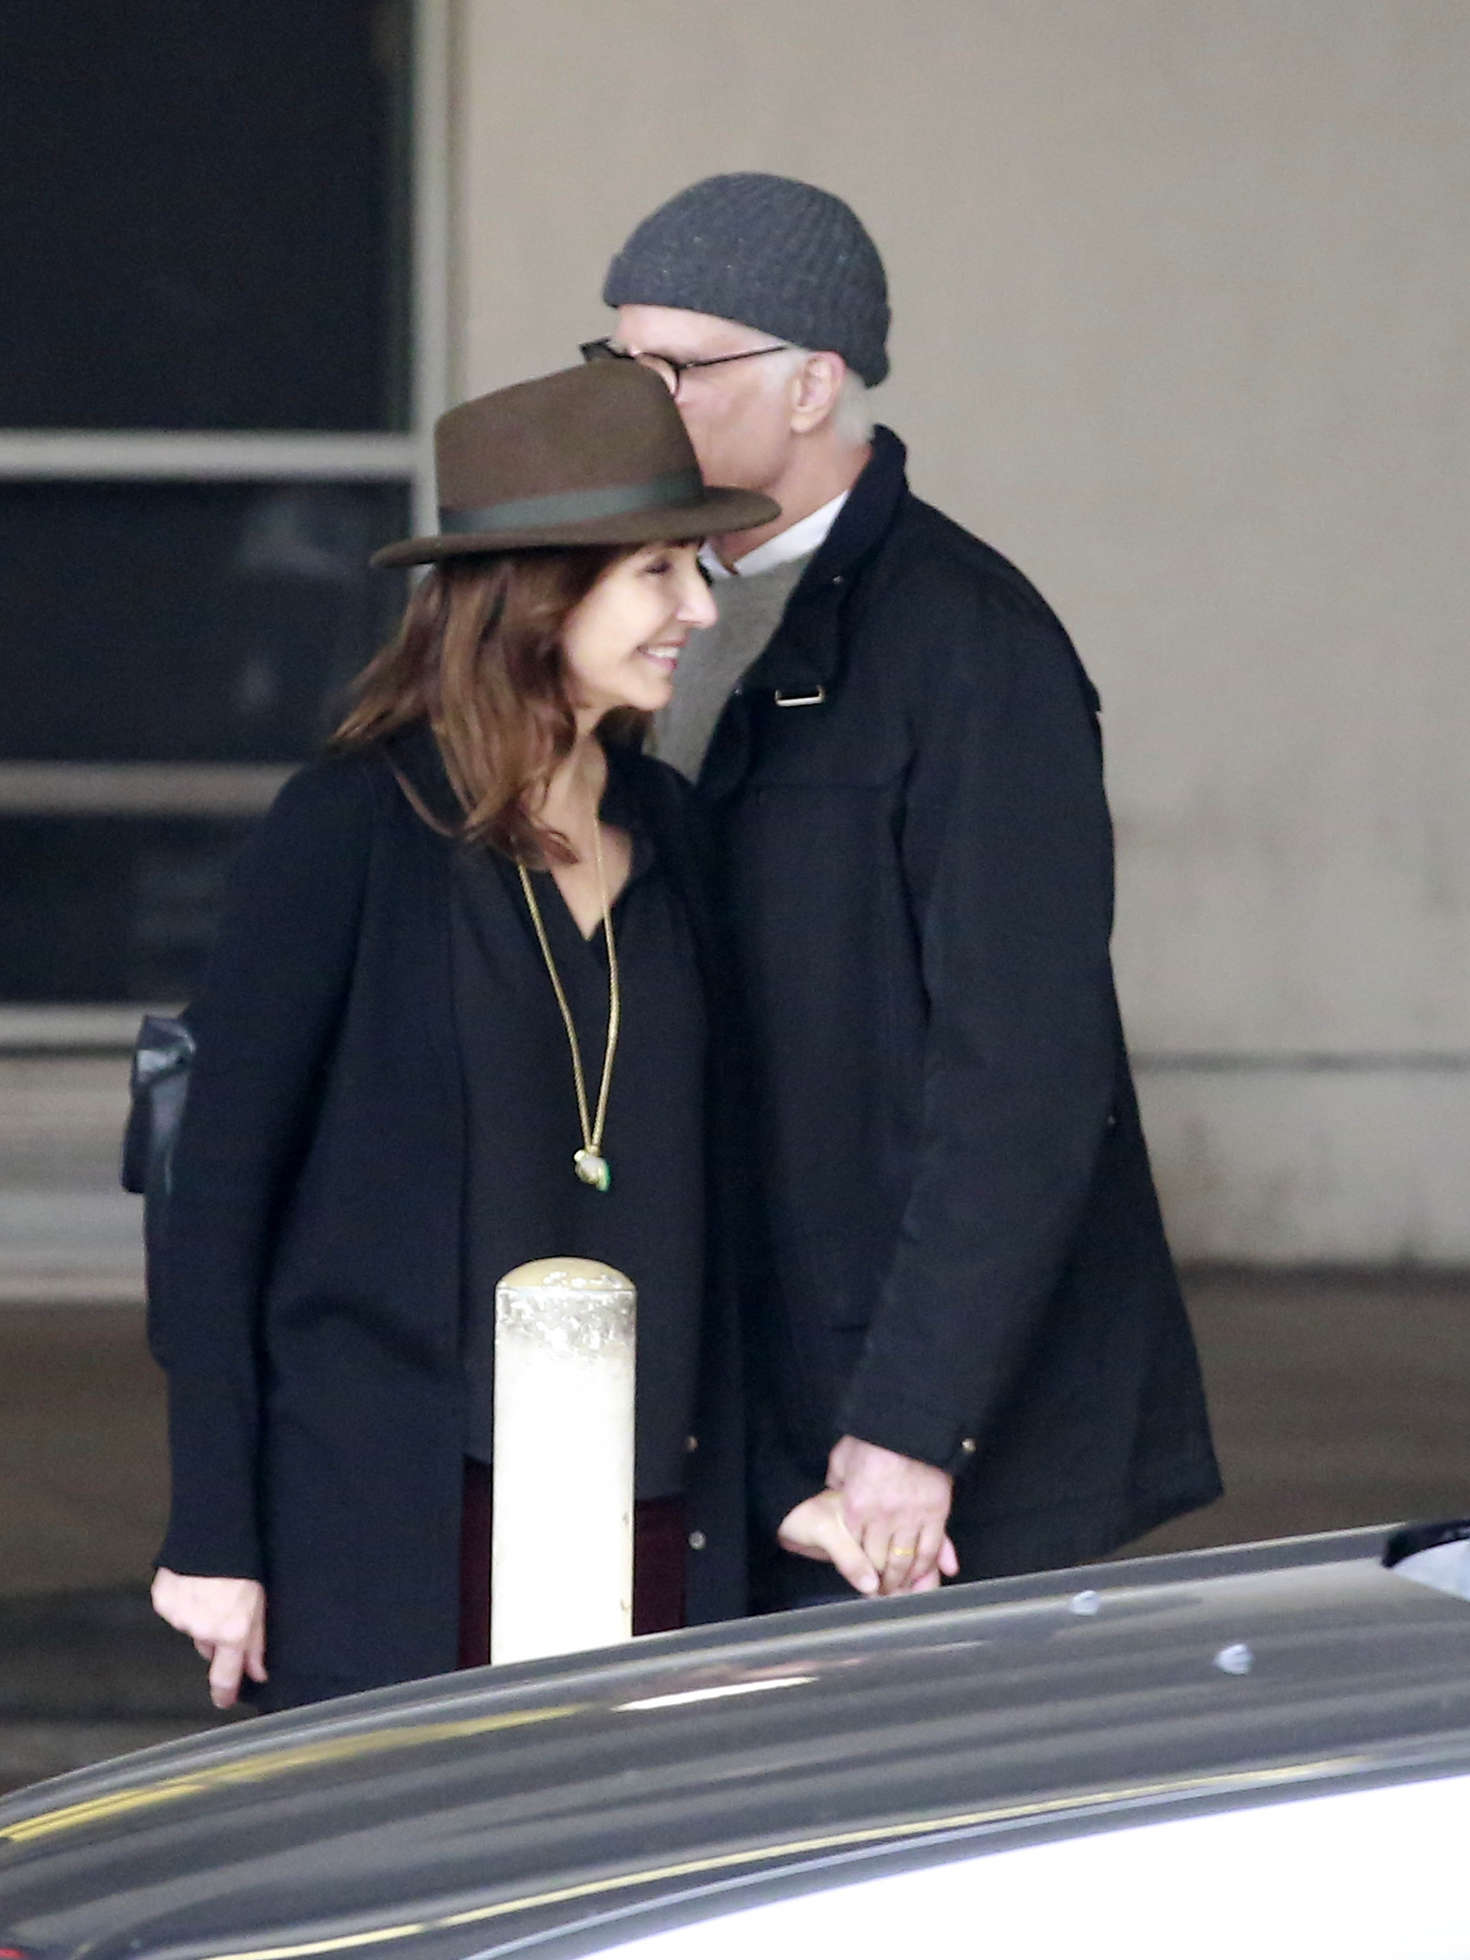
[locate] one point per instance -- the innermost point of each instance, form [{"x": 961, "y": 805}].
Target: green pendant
[{"x": 593, "y": 1168}]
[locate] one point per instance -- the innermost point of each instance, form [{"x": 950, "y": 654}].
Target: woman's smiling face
[{"x": 622, "y": 643}]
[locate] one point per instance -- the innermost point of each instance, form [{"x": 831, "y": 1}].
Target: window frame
[{"x": 206, "y": 789}]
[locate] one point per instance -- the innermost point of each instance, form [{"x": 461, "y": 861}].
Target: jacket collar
[
  {"x": 802, "y": 658},
  {"x": 804, "y": 652},
  {"x": 413, "y": 756}
]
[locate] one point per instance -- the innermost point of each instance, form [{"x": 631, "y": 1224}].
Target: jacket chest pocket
[{"x": 821, "y": 745}]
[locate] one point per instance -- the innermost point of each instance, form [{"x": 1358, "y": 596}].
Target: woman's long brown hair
[{"x": 478, "y": 656}]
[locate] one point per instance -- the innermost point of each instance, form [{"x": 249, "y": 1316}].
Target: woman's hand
[
  {"x": 225, "y": 1618},
  {"x": 815, "y": 1529}
]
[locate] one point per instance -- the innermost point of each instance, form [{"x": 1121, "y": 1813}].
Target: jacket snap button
[
  {"x": 691, "y": 1443},
  {"x": 697, "y": 1541},
  {"x": 968, "y": 1445}
]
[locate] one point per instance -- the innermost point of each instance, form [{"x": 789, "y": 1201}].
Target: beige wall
[{"x": 1181, "y": 291}]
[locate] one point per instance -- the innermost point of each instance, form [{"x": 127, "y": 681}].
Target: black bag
[{"x": 158, "y": 1086}]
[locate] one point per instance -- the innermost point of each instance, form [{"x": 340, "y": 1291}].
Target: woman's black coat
[{"x": 305, "y": 1293}]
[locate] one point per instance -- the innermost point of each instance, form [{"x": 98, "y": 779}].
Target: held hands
[
  {"x": 814, "y": 1529},
  {"x": 225, "y": 1618},
  {"x": 880, "y": 1521},
  {"x": 896, "y": 1509}
]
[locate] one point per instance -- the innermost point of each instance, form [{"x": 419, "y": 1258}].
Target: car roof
[{"x": 534, "y": 1803}]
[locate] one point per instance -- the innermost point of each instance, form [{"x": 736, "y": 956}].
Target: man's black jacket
[{"x": 966, "y": 1259}]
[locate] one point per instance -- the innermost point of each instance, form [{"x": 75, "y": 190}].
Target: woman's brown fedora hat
[{"x": 591, "y": 455}]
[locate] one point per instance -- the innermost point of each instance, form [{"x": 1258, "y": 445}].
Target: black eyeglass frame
[{"x": 665, "y": 365}]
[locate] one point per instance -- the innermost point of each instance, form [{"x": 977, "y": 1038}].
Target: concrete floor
[{"x": 1338, "y": 1399}]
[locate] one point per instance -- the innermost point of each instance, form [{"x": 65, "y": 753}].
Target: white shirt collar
[{"x": 798, "y": 540}]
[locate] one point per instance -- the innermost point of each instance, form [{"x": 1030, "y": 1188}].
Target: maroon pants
[{"x": 658, "y": 1566}]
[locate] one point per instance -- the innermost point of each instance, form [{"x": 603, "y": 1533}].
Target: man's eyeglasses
[{"x": 668, "y": 370}]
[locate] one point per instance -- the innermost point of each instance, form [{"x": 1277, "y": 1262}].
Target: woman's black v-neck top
[{"x": 523, "y": 1198}]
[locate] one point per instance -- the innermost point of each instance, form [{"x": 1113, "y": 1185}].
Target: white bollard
[{"x": 561, "y": 1571}]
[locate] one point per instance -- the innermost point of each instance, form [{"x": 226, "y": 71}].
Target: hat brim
[{"x": 716, "y": 513}]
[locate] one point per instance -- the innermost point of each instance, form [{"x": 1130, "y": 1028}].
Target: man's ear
[{"x": 818, "y": 384}]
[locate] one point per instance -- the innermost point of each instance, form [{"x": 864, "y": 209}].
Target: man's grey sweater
[{"x": 715, "y": 658}]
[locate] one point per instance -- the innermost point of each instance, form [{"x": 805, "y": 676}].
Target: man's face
[{"x": 738, "y": 415}]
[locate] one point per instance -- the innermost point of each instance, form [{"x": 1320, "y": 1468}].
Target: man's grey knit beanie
[{"x": 770, "y": 252}]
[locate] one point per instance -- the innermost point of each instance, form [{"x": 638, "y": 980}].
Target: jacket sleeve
[
  {"x": 1008, "y": 854},
  {"x": 264, "y": 1022}
]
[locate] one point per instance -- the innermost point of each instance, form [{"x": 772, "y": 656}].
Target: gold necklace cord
[
  {"x": 591, "y": 1132},
  {"x": 614, "y": 988}
]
